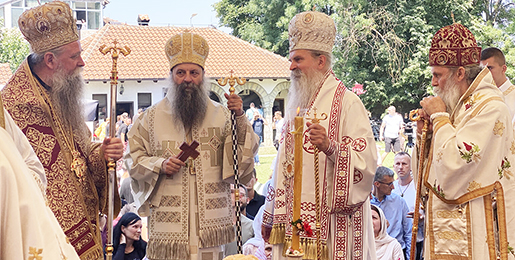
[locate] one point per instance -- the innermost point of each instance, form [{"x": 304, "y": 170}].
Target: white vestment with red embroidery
[{"x": 346, "y": 175}]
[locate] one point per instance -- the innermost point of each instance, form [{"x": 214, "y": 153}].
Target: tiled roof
[
  {"x": 5, "y": 73},
  {"x": 147, "y": 59}
]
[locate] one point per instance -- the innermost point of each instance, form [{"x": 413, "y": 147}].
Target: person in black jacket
[{"x": 127, "y": 241}]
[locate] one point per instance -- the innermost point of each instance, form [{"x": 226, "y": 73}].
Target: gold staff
[
  {"x": 112, "y": 128},
  {"x": 415, "y": 116},
  {"x": 316, "y": 120},
  {"x": 232, "y": 81}
]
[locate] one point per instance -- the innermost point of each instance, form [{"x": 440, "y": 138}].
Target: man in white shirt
[
  {"x": 494, "y": 60},
  {"x": 405, "y": 186},
  {"x": 390, "y": 129}
]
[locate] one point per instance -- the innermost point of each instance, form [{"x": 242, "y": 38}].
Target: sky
[{"x": 165, "y": 12}]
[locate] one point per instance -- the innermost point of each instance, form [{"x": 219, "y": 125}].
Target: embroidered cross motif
[
  {"x": 188, "y": 151},
  {"x": 43, "y": 144},
  {"x": 168, "y": 148},
  {"x": 212, "y": 143},
  {"x": 35, "y": 253}
]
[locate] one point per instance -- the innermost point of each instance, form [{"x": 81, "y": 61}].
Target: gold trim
[
  {"x": 501, "y": 219},
  {"x": 439, "y": 123},
  {"x": 482, "y": 104},
  {"x": 471, "y": 89},
  {"x": 489, "y": 219},
  {"x": 469, "y": 230}
]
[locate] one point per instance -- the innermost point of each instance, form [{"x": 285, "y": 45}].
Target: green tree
[
  {"x": 13, "y": 47},
  {"x": 382, "y": 44}
]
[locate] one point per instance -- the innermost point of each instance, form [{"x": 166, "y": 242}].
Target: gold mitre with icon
[
  {"x": 186, "y": 47},
  {"x": 312, "y": 31},
  {"x": 48, "y": 26}
]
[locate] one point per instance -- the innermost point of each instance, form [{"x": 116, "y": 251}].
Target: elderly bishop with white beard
[
  {"x": 189, "y": 202},
  {"x": 347, "y": 153},
  {"x": 469, "y": 186}
]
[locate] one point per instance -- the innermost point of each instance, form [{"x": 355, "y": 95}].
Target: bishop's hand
[
  {"x": 235, "y": 103},
  {"x": 171, "y": 166},
  {"x": 112, "y": 148},
  {"x": 318, "y": 136}
]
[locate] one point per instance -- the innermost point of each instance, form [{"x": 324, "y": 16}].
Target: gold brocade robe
[
  {"x": 76, "y": 204},
  {"x": 468, "y": 164}
]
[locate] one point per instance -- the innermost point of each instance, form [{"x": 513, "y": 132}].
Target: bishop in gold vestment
[
  {"x": 468, "y": 175},
  {"x": 44, "y": 99}
]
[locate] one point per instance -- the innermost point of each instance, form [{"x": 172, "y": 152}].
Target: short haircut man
[
  {"x": 44, "y": 99},
  {"x": 494, "y": 60},
  {"x": 188, "y": 202},
  {"x": 394, "y": 207},
  {"x": 389, "y": 132},
  {"x": 468, "y": 165},
  {"x": 346, "y": 146}
]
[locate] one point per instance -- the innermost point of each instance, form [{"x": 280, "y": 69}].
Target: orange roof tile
[
  {"x": 5, "y": 73},
  {"x": 148, "y": 61}
]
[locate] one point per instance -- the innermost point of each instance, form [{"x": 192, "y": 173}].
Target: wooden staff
[
  {"x": 414, "y": 116},
  {"x": 115, "y": 51},
  {"x": 232, "y": 81},
  {"x": 316, "y": 120}
]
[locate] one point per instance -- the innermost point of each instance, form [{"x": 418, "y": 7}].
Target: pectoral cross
[{"x": 188, "y": 151}]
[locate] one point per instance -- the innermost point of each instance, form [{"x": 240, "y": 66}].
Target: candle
[{"x": 297, "y": 177}]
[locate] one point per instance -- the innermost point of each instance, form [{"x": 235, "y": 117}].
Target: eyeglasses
[{"x": 387, "y": 184}]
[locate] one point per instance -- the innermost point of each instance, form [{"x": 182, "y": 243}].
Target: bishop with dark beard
[{"x": 189, "y": 202}]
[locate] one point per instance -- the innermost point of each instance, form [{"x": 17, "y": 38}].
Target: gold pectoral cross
[{"x": 78, "y": 165}]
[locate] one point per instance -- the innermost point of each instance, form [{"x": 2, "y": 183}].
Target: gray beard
[
  {"x": 66, "y": 97},
  {"x": 302, "y": 89},
  {"x": 189, "y": 103},
  {"x": 451, "y": 95}
]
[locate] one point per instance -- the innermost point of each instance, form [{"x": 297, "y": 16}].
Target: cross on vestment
[{"x": 212, "y": 145}]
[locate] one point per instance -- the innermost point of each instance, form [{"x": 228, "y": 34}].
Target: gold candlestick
[{"x": 297, "y": 178}]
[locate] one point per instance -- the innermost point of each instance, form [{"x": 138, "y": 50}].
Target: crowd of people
[{"x": 180, "y": 159}]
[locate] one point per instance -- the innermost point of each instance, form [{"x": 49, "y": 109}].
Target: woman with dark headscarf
[{"x": 127, "y": 241}]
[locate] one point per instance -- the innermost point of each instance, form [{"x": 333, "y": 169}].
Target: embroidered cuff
[
  {"x": 439, "y": 114},
  {"x": 332, "y": 147}
]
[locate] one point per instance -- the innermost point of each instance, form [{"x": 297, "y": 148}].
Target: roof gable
[{"x": 148, "y": 60}]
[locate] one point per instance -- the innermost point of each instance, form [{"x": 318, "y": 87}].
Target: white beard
[
  {"x": 451, "y": 95},
  {"x": 303, "y": 87}
]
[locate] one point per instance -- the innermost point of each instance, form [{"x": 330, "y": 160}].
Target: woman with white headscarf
[{"x": 387, "y": 247}]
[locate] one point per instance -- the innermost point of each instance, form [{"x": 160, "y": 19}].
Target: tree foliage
[
  {"x": 382, "y": 44},
  {"x": 13, "y": 47}
]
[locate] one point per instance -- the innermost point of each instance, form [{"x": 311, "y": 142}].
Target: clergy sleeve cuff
[
  {"x": 158, "y": 165},
  {"x": 331, "y": 148},
  {"x": 439, "y": 115},
  {"x": 241, "y": 128}
]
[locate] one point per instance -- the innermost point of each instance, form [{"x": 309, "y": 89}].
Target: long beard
[
  {"x": 66, "y": 97},
  {"x": 451, "y": 95},
  {"x": 303, "y": 87},
  {"x": 189, "y": 103}
]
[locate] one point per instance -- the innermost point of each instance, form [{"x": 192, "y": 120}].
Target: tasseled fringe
[
  {"x": 309, "y": 246},
  {"x": 167, "y": 249},
  {"x": 93, "y": 254},
  {"x": 277, "y": 234},
  {"x": 216, "y": 236}
]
